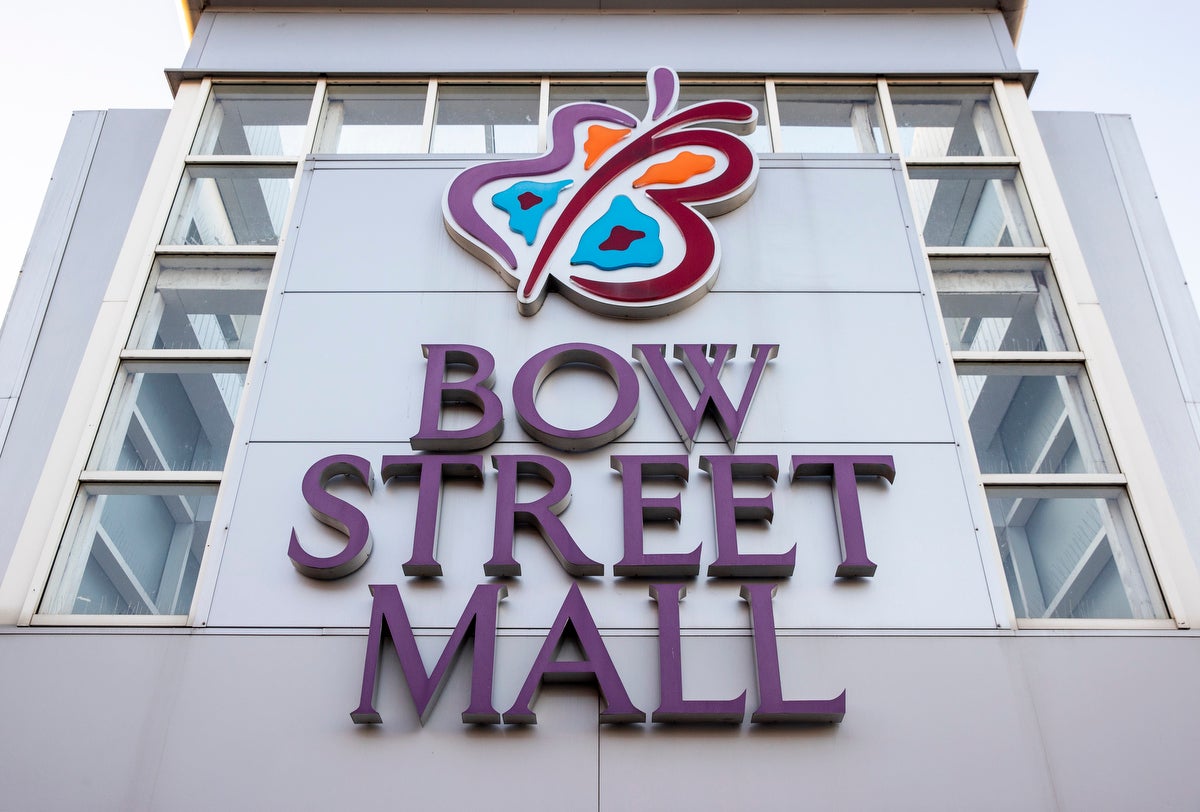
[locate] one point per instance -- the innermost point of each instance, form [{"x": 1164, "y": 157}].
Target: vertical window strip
[
  {"x": 773, "y": 117},
  {"x": 158, "y": 490},
  {"x": 198, "y": 612},
  {"x": 543, "y": 113},
  {"x": 1125, "y": 586},
  {"x": 430, "y": 112}
]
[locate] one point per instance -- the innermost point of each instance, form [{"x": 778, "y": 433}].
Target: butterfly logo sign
[{"x": 614, "y": 215}]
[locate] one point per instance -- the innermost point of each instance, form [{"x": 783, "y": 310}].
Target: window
[
  {"x": 254, "y": 120},
  {"x": 630, "y": 98},
  {"x": 486, "y": 119},
  {"x": 1000, "y": 305},
  {"x": 472, "y": 118},
  {"x": 202, "y": 303},
  {"x": 982, "y": 207},
  {"x": 1060, "y": 511},
  {"x": 1033, "y": 419},
  {"x": 1073, "y": 554},
  {"x": 374, "y": 119},
  {"x": 947, "y": 121},
  {"x": 230, "y": 205},
  {"x": 829, "y": 119},
  {"x": 131, "y": 550},
  {"x": 140, "y": 520},
  {"x": 760, "y": 139}
]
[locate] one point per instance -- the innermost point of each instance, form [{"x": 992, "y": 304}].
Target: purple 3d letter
[
  {"x": 639, "y": 509},
  {"x": 706, "y": 376},
  {"x": 338, "y": 514},
  {"x": 844, "y": 470},
  {"x": 672, "y": 706},
  {"x": 431, "y": 469},
  {"x": 475, "y": 390},
  {"x": 729, "y": 510},
  {"x": 541, "y": 514},
  {"x": 535, "y": 371},
  {"x": 772, "y": 707},
  {"x": 596, "y": 665},
  {"x": 388, "y": 618}
]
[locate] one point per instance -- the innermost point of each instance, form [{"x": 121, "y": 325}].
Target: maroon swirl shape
[
  {"x": 698, "y": 238},
  {"x": 461, "y": 192},
  {"x": 647, "y": 144}
]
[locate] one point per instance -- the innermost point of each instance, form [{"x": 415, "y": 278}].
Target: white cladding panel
[
  {"x": 821, "y": 261},
  {"x": 1140, "y": 285},
  {"x": 201, "y": 722},
  {"x": 946, "y": 707},
  {"x": 97, "y": 179},
  {"x": 922, "y": 537},
  {"x": 851, "y": 367},
  {"x": 968, "y": 742},
  {"x": 812, "y": 225},
  {"x": 603, "y": 43}
]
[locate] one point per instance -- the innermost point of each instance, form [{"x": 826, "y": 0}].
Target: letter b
[{"x": 475, "y": 390}]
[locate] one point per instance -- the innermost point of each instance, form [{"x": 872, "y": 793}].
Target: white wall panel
[
  {"x": 920, "y": 535},
  {"x": 306, "y": 753},
  {"x": 851, "y": 367},
  {"x": 167, "y": 721},
  {"x": 1139, "y": 283},
  {"x": 540, "y": 43},
  {"x": 97, "y": 181},
  {"x": 930, "y": 723},
  {"x": 1144, "y": 757},
  {"x": 812, "y": 225},
  {"x": 263, "y": 722},
  {"x": 86, "y": 717}
]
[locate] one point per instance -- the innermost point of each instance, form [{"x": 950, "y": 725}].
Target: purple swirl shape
[
  {"x": 663, "y": 83},
  {"x": 461, "y": 192},
  {"x": 642, "y": 146}
]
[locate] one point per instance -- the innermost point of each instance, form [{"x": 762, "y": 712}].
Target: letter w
[
  {"x": 388, "y": 618},
  {"x": 706, "y": 376}
]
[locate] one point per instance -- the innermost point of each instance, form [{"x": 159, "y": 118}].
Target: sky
[{"x": 1108, "y": 56}]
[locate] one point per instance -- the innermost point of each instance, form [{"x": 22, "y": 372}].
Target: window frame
[
  {"x": 1139, "y": 479},
  {"x": 1090, "y": 354},
  {"x": 547, "y": 82},
  {"x": 137, "y": 293}
]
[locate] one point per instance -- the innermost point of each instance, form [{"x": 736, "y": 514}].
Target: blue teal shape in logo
[
  {"x": 623, "y": 237},
  {"x": 526, "y": 202}
]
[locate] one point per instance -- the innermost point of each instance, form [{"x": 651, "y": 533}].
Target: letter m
[{"x": 390, "y": 620}]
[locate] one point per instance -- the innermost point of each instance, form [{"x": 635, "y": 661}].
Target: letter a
[{"x": 596, "y": 664}]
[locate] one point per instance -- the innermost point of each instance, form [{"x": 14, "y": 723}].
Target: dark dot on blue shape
[
  {"x": 528, "y": 200},
  {"x": 621, "y": 238}
]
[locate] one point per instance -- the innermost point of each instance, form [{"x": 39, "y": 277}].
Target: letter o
[{"x": 534, "y": 373}]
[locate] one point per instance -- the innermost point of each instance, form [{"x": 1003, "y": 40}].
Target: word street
[{"x": 446, "y": 454}]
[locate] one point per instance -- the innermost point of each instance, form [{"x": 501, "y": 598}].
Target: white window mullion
[
  {"x": 543, "y": 113},
  {"x": 174, "y": 569},
  {"x": 430, "y": 112},
  {"x": 1167, "y": 548},
  {"x": 314, "y": 117},
  {"x": 773, "y": 117},
  {"x": 891, "y": 130}
]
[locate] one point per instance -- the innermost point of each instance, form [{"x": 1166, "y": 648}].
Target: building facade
[{"x": 715, "y": 407}]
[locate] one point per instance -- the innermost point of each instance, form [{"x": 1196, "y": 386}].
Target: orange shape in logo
[
  {"x": 599, "y": 140},
  {"x": 682, "y": 167}
]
